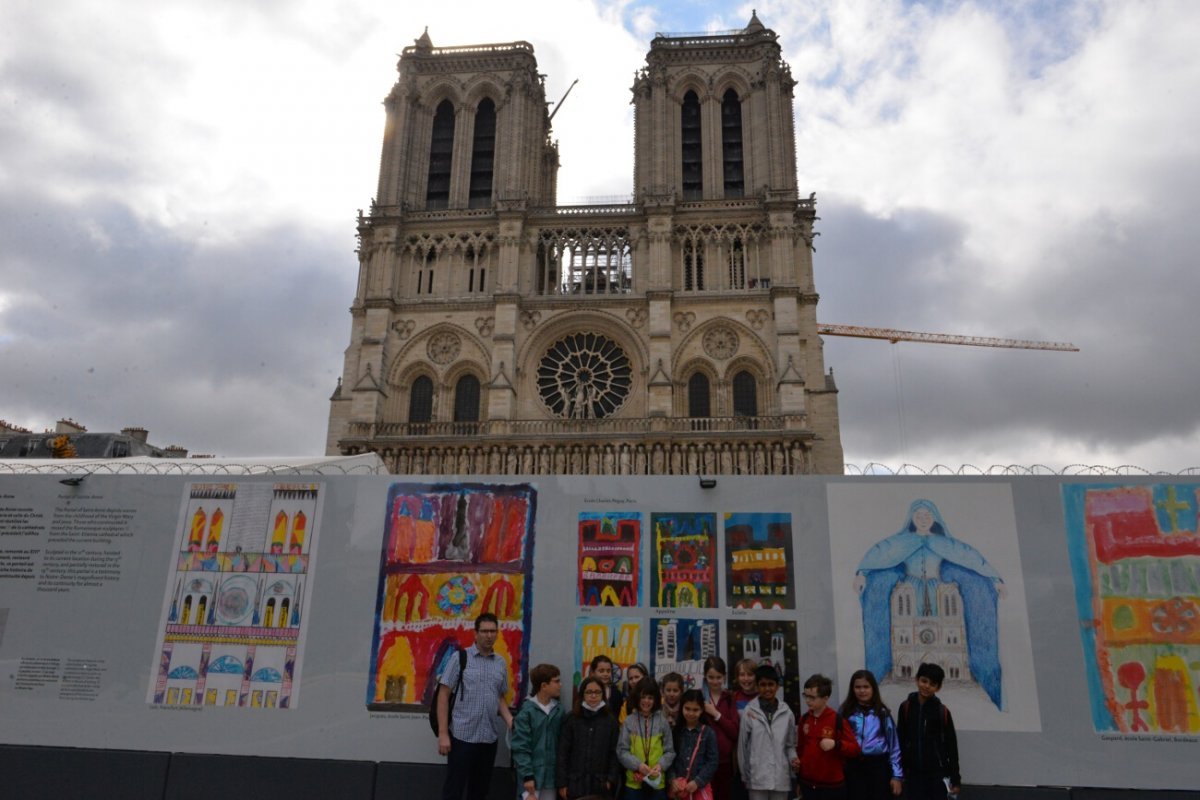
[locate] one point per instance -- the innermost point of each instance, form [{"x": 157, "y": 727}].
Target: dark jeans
[
  {"x": 869, "y": 778},
  {"x": 923, "y": 786},
  {"x": 469, "y": 768},
  {"x": 809, "y": 792},
  {"x": 643, "y": 792}
]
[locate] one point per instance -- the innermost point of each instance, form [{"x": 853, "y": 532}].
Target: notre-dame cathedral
[{"x": 497, "y": 332}]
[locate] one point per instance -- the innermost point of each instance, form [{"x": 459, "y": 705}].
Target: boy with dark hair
[
  {"x": 535, "y": 734},
  {"x": 826, "y": 741},
  {"x": 767, "y": 740},
  {"x": 928, "y": 745}
]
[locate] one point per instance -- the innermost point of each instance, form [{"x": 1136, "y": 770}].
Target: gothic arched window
[
  {"x": 745, "y": 395},
  {"x": 698, "y": 399},
  {"x": 483, "y": 154},
  {"x": 466, "y": 399},
  {"x": 441, "y": 149},
  {"x": 427, "y": 273},
  {"x": 420, "y": 400},
  {"x": 693, "y": 267},
  {"x": 693, "y": 170},
  {"x": 731, "y": 143},
  {"x": 737, "y": 265}
]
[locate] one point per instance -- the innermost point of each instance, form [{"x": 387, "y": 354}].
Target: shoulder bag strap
[
  {"x": 459, "y": 689},
  {"x": 695, "y": 750}
]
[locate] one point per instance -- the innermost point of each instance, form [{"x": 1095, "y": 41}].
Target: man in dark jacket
[{"x": 928, "y": 745}]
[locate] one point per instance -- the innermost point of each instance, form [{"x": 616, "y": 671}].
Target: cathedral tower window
[
  {"x": 299, "y": 526},
  {"x": 214, "y": 530},
  {"x": 698, "y": 398},
  {"x": 731, "y": 143},
  {"x": 483, "y": 154},
  {"x": 466, "y": 402},
  {"x": 420, "y": 401},
  {"x": 427, "y": 273},
  {"x": 278, "y": 532},
  {"x": 693, "y": 170},
  {"x": 737, "y": 264},
  {"x": 441, "y": 148},
  {"x": 476, "y": 271},
  {"x": 745, "y": 395},
  {"x": 693, "y": 266}
]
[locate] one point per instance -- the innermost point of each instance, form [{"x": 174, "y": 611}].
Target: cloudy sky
[{"x": 179, "y": 182}]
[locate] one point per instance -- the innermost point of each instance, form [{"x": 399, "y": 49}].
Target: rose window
[
  {"x": 584, "y": 376},
  {"x": 720, "y": 342},
  {"x": 444, "y": 347}
]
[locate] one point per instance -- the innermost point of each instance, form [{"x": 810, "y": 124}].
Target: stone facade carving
[
  {"x": 444, "y": 347},
  {"x": 721, "y": 342}
]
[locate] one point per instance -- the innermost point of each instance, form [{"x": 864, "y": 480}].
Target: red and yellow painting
[
  {"x": 1135, "y": 555},
  {"x": 450, "y": 552}
]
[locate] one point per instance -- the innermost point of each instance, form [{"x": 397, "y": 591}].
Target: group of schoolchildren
[{"x": 647, "y": 740}]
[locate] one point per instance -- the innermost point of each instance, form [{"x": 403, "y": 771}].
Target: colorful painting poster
[
  {"x": 232, "y": 631},
  {"x": 758, "y": 561},
  {"x": 685, "y": 567},
  {"x": 681, "y": 646},
  {"x": 610, "y": 558},
  {"x": 618, "y": 638},
  {"x": 770, "y": 642},
  {"x": 1135, "y": 555},
  {"x": 932, "y": 574},
  {"x": 450, "y": 553}
]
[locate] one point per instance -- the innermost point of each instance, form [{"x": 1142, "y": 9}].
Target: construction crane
[{"x": 894, "y": 335}]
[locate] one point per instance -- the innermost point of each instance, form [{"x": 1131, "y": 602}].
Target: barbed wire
[
  {"x": 876, "y": 468},
  {"x": 199, "y": 467},
  {"x": 158, "y": 467}
]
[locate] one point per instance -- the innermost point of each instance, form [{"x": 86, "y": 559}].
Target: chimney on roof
[
  {"x": 141, "y": 434},
  {"x": 175, "y": 451},
  {"x": 68, "y": 425}
]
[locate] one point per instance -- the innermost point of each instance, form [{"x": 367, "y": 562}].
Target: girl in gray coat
[{"x": 767, "y": 740}]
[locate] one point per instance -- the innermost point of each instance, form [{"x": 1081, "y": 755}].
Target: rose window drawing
[
  {"x": 584, "y": 376},
  {"x": 456, "y": 595},
  {"x": 235, "y": 600}
]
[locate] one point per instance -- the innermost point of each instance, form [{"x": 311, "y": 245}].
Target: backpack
[{"x": 454, "y": 693}]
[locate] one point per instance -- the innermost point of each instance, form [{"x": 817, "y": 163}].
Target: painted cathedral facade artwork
[
  {"x": 928, "y": 596},
  {"x": 496, "y": 332},
  {"x": 929, "y": 628},
  {"x": 233, "y": 622}
]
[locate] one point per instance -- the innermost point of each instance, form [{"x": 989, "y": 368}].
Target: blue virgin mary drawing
[{"x": 927, "y": 596}]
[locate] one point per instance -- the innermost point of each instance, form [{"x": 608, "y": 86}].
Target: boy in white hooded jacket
[{"x": 767, "y": 740}]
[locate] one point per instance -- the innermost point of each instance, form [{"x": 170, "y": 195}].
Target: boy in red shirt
[{"x": 826, "y": 740}]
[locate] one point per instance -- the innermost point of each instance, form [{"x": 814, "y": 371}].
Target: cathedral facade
[{"x": 497, "y": 332}]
